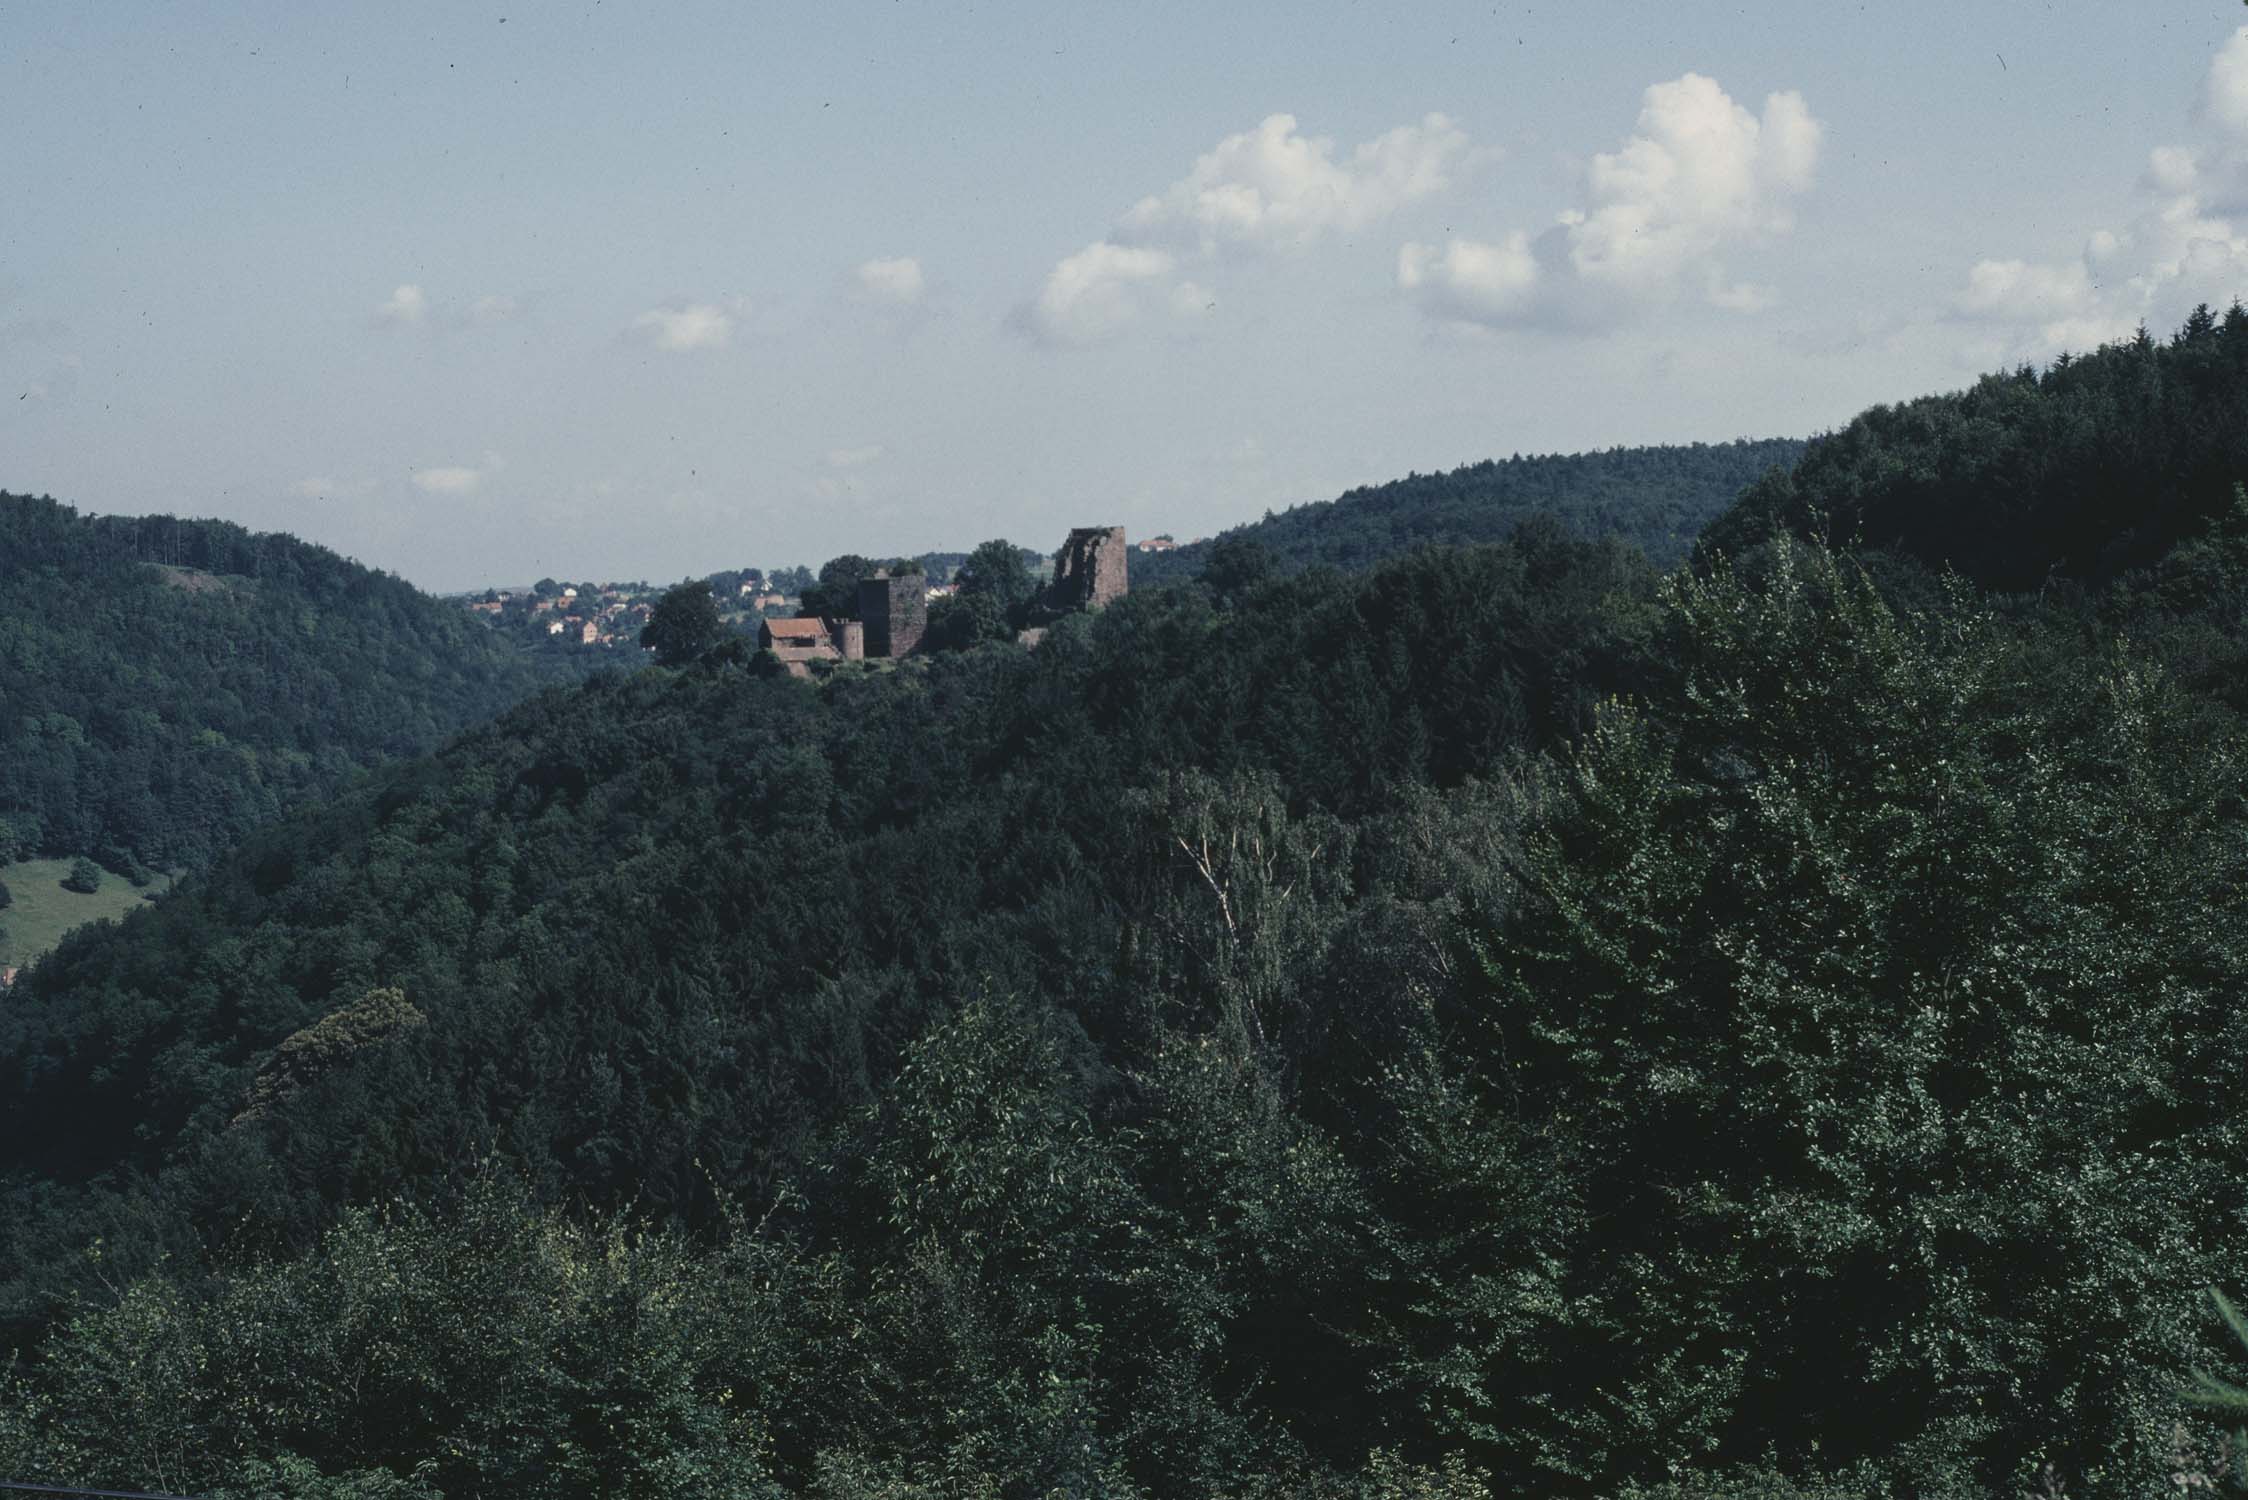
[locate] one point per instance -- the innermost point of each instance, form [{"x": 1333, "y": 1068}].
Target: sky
[{"x": 481, "y": 291}]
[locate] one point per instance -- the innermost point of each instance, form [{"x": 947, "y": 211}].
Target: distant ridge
[
  {"x": 166, "y": 684},
  {"x": 1658, "y": 499}
]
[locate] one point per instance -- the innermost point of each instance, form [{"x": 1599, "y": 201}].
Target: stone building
[
  {"x": 800, "y": 642},
  {"x": 1089, "y": 571},
  {"x": 895, "y": 612}
]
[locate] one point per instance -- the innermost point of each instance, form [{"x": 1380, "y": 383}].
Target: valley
[{"x": 1398, "y": 1029}]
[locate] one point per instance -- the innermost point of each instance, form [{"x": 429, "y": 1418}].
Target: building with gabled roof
[{"x": 801, "y": 641}]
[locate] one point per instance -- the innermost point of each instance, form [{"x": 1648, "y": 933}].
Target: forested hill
[
  {"x": 1502, "y": 1023},
  {"x": 2084, "y": 471},
  {"x": 167, "y": 684},
  {"x": 1656, "y": 499}
]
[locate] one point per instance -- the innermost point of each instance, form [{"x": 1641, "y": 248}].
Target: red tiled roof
[{"x": 800, "y": 627}]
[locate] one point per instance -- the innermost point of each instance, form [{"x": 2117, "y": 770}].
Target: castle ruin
[
  {"x": 895, "y": 612},
  {"x": 1089, "y": 574},
  {"x": 893, "y": 616},
  {"x": 1089, "y": 571}
]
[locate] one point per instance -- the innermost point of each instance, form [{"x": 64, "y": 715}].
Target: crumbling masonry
[{"x": 1089, "y": 571}]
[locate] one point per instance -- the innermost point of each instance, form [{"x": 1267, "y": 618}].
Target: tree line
[{"x": 1511, "y": 1021}]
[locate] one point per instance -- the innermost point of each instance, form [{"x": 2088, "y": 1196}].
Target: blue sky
[{"x": 481, "y": 292}]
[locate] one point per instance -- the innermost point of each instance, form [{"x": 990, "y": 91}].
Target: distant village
[{"x": 609, "y": 616}]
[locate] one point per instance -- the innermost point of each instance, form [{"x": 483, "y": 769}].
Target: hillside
[
  {"x": 165, "y": 684},
  {"x": 1504, "y": 1022},
  {"x": 1655, "y": 499},
  {"x": 2078, "y": 473}
]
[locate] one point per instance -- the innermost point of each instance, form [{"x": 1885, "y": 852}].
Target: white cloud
[
  {"x": 407, "y": 304},
  {"x": 2002, "y": 291},
  {"x": 1468, "y": 281},
  {"x": 2186, "y": 243},
  {"x": 448, "y": 481},
  {"x": 2046, "y": 308},
  {"x": 854, "y": 458},
  {"x": 898, "y": 282},
  {"x": 1089, "y": 296},
  {"x": 682, "y": 327},
  {"x": 1269, "y": 189},
  {"x": 489, "y": 309},
  {"x": 1274, "y": 187},
  {"x": 1700, "y": 173},
  {"x": 2224, "y": 92},
  {"x": 2172, "y": 169}
]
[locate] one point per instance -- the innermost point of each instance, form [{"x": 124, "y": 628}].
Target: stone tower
[
  {"x": 1089, "y": 570},
  {"x": 895, "y": 612}
]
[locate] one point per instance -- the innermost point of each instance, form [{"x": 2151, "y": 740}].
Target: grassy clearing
[{"x": 44, "y": 911}]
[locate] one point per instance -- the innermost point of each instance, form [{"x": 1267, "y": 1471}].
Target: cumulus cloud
[
  {"x": 682, "y": 327},
  {"x": 1275, "y": 188},
  {"x": 2017, "y": 291},
  {"x": 2185, "y": 243},
  {"x": 1700, "y": 173},
  {"x": 1468, "y": 281},
  {"x": 1266, "y": 190},
  {"x": 1089, "y": 296},
  {"x": 2035, "y": 308},
  {"x": 2224, "y": 90},
  {"x": 407, "y": 305},
  {"x": 897, "y": 282}
]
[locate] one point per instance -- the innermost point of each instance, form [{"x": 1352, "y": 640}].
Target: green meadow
[{"x": 43, "y": 911}]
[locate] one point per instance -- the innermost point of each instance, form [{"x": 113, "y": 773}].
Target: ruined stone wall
[
  {"x": 1089, "y": 571},
  {"x": 895, "y": 612}
]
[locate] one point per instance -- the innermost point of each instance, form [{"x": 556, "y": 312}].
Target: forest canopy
[
  {"x": 166, "y": 684},
  {"x": 2081, "y": 472},
  {"x": 1655, "y": 499},
  {"x": 1510, "y": 1021}
]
